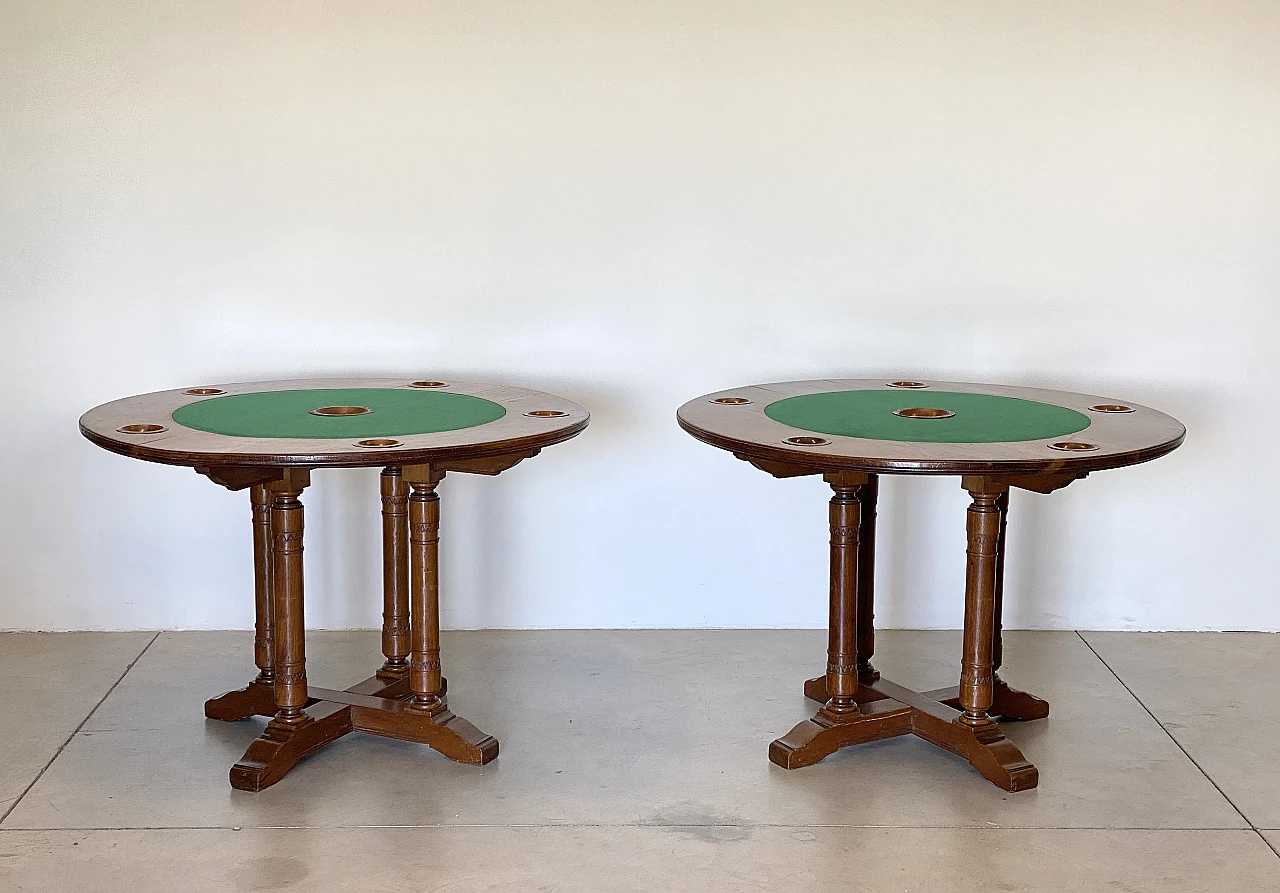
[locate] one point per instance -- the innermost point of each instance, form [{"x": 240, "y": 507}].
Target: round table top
[
  {"x": 929, "y": 427},
  {"x": 332, "y": 422}
]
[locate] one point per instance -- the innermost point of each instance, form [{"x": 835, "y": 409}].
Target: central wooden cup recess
[
  {"x": 923, "y": 412},
  {"x": 341, "y": 410},
  {"x": 1073, "y": 446}
]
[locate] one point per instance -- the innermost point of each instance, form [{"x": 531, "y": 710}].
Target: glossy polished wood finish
[
  {"x": 286, "y": 738},
  {"x": 406, "y": 698},
  {"x": 868, "y": 498},
  {"x": 288, "y": 651},
  {"x": 983, "y": 533},
  {"x": 842, "y": 647},
  {"x": 1006, "y": 702},
  {"x": 858, "y": 705},
  {"x": 263, "y": 562},
  {"x": 395, "y": 574},
  {"x": 424, "y": 593}
]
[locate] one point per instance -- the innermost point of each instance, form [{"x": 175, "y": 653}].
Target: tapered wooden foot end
[
  {"x": 806, "y": 744},
  {"x": 459, "y": 740},
  {"x": 1006, "y": 703},
  {"x": 996, "y": 758},
  {"x": 256, "y": 699},
  {"x": 442, "y": 731},
  {"x": 816, "y": 739},
  {"x": 282, "y": 745},
  {"x": 1000, "y": 762}
]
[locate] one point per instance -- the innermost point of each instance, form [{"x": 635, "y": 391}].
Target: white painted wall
[{"x": 631, "y": 203}]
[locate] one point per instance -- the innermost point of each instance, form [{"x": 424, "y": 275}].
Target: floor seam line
[
  {"x": 625, "y": 826},
  {"x": 1176, "y": 742},
  {"x": 57, "y": 753}
]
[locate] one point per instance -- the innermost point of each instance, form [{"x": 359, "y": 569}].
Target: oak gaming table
[
  {"x": 267, "y": 437},
  {"x": 996, "y": 438}
]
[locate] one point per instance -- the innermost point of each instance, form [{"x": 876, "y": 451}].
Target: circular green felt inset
[
  {"x": 395, "y": 412},
  {"x": 979, "y": 418}
]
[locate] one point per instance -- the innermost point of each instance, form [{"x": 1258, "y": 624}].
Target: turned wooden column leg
[
  {"x": 425, "y": 717},
  {"x": 867, "y": 496},
  {"x": 983, "y": 529},
  {"x": 260, "y": 499},
  {"x": 842, "y": 632},
  {"x": 288, "y": 634},
  {"x": 258, "y": 698},
  {"x": 395, "y": 574},
  {"x": 292, "y": 733},
  {"x": 973, "y": 732},
  {"x": 1006, "y": 702},
  {"x": 424, "y": 596},
  {"x": 842, "y": 721}
]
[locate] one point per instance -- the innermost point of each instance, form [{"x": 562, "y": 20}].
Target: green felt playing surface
[
  {"x": 396, "y": 412},
  {"x": 979, "y": 418}
]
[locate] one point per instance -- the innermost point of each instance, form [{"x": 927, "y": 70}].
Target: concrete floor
[{"x": 638, "y": 761}]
